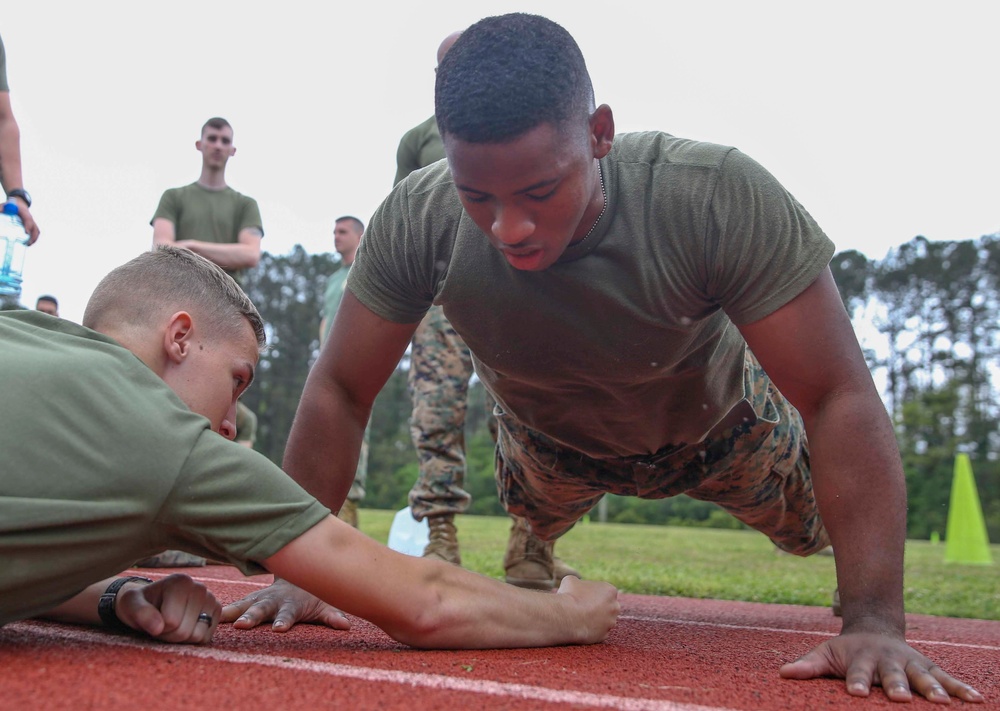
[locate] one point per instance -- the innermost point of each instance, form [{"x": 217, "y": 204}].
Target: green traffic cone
[{"x": 965, "y": 538}]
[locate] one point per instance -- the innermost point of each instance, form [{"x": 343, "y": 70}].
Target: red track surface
[{"x": 674, "y": 654}]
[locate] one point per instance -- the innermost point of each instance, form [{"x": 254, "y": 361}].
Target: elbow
[{"x": 427, "y": 623}]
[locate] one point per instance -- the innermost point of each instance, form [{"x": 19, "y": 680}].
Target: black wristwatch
[
  {"x": 20, "y": 193},
  {"x": 106, "y": 605}
]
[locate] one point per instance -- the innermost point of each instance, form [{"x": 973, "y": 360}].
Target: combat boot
[
  {"x": 442, "y": 539},
  {"x": 528, "y": 562},
  {"x": 349, "y": 513},
  {"x": 560, "y": 569}
]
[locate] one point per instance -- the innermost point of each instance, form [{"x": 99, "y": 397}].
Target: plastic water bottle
[
  {"x": 13, "y": 245},
  {"x": 407, "y": 535}
]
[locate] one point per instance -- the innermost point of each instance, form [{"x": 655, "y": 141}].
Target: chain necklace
[{"x": 604, "y": 194}]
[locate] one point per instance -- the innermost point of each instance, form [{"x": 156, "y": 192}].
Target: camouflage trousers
[
  {"x": 757, "y": 470},
  {"x": 440, "y": 368}
]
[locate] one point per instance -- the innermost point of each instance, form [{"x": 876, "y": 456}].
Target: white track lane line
[{"x": 436, "y": 682}]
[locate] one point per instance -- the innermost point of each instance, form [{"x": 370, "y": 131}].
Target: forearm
[
  {"x": 82, "y": 607},
  {"x": 431, "y": 604},
  {"x": 325, "y": 440},
  {"x": 10, "y": 154},
  {"x": 861, "y": 493},
  {"x": 232, "y": 256}
]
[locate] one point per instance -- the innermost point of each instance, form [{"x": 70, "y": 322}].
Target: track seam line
[{"x": 437, "y": 682}]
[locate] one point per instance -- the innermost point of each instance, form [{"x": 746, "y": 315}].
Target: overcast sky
[{"x": 881, "y": 117}]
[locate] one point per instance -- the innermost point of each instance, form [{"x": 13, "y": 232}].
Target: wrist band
[{"x": 106, "y": 605}]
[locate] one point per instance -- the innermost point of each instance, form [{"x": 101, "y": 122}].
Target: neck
[{"x": 212, "y": 179}]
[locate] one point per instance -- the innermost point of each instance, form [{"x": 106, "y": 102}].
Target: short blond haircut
[{"x": 135, "y": 294}]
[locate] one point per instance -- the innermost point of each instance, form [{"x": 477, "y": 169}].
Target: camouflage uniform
[
  {"x": 440, "y": 368},
  {"x": 757, "y": 470}
]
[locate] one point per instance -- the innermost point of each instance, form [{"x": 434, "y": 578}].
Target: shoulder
[
  {"x": 414, "y": 139},
  {"x": 237, "y": 196},
  {"x": 659, "y": 148},
  {"x": 181, "y": 193}
]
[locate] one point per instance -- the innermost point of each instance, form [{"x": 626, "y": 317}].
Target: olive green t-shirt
[
  {"x": 103, "y": 465},
  {"x": 336, "y": 284},
  {"x": 419, "y": 147},
  {"x": 208, "y": 215},
  {"x": 628, "y": 343}
]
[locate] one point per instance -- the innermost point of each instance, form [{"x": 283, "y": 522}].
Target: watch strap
[
  {"x": 20, "y": 193},
  {"x": 106, "y": 605}
]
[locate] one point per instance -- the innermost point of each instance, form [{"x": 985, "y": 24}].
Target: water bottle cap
[{"x": 9, "y": 208}]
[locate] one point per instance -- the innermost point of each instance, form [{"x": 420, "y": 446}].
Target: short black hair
[
  {"x": 508, "y": 74},
  {"x": 47, "y": 297}
]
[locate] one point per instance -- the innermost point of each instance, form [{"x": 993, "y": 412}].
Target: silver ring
[{"x": 205, "y": 617}]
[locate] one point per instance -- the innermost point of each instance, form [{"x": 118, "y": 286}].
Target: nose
[
  {"x": 228, "y": 427},
  {"x": 512, "y": 226}
]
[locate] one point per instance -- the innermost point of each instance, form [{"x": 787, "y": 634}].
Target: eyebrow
[{"x": 530, "y": 188}]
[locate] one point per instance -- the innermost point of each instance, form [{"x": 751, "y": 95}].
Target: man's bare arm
[
  {"x": 166, "y": 609},
  {"x": 810, "y": 351},
  {"x": 357, "y": 359},
  {"x": 431, "y": 604},
  {"x": 10, "y": 164},
  {"x": 242, "y": 254}
]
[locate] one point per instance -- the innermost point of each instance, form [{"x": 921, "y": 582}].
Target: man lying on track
[{"x": 111, "y": 446}]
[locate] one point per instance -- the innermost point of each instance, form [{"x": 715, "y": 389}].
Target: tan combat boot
[
  {"x": 349, "y": 513},
  {"x": 528, "y": 562},
  {"x": 560, "y": 569},
  {"x": 442, "y": 539}
]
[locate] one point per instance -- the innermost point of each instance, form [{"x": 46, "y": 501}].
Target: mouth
[
  {"x": 524, "y": 258},
  {"x": 520, "y": 251}
]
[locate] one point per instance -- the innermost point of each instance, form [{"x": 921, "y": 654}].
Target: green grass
[{"x": 722, "y": 564}]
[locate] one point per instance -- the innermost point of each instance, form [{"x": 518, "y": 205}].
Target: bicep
[
  {"x": 163, "y": 231},
  {"x": 808, "y": 347}
]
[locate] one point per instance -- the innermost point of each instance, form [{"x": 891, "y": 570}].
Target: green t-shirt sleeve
[
  {"x": 393, "y": 272},
  {"x": 168, "y": 208},
  {"x": 764, "y": 248},
  {"x": 250, "y": 216},
  {"x": 234, "y": 504},
  {"x": 3, "y": 68}
]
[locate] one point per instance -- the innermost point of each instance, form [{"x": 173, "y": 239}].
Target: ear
[
  {"x": 177, "y": 337},
  {"x": 232, "y": 151},
  {"x": 602, "y": 130},
  {"x": 197, "y": 145}
]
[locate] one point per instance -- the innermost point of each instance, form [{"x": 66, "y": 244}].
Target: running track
[{"x": 670, "y": 654}]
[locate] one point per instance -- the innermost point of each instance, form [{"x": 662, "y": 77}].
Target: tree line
[{"x": 926, "y": 315}]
